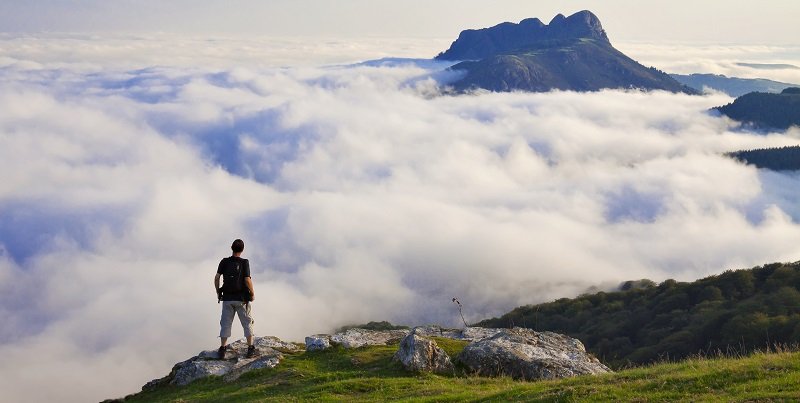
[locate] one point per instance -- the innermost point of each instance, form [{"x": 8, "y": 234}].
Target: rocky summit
[
  {"x": 231, "y": 366},
  {"x": 570, "y": 53},
  {"x": 520, "y": 353},
  {"x": 476, "y": 44}
]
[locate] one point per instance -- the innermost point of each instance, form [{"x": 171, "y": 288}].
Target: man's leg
[
  {"x": 225, "y": 322},
  {"x": 243, "y": 311}
]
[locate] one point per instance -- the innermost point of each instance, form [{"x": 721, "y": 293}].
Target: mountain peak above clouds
[
  {"x": 570, "y": 54},
  {"x": 475, "y": 44}
]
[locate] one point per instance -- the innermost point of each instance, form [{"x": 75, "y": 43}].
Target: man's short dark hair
[{"x": 237, "y": 246}]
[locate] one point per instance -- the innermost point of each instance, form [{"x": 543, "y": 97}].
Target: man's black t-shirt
[{"x": 229, "y": 265}]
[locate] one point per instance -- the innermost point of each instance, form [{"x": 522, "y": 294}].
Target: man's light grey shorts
[{"x": 229, "y": 308}]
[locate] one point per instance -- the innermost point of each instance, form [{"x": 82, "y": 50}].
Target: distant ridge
[
  {"x": 733, "y": 86},
  {"x": 570, "y": 53}
]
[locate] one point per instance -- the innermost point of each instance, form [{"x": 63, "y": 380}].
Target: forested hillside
[
  {"x": 776, "y": 159},
  {"x": 766, "y": 111},
  {"x": 739, "y": 311}
]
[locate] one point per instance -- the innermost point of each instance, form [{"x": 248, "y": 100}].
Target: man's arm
[
  {"x": 249, "y": 284},
  {"x": 216, "y": 286}
]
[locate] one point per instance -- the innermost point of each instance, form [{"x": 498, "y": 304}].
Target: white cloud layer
[
  {"x": 779, "y": 62},
  {"x": 89, "y": 52},
  {"x": 360, "y": 193}
]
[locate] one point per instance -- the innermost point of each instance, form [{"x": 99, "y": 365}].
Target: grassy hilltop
[
  {"x": 734, "y": 312},
  {"x": 368, "y": 374}
]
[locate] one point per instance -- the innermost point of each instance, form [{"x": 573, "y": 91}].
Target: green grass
[{"x": 369, "y": 374}]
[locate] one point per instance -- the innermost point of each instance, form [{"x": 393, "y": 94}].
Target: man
[{"x": 236, "y": 294}]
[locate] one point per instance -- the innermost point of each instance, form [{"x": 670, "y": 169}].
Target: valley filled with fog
[{"x": 361, "y": 192}]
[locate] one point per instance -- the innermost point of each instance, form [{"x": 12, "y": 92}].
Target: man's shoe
[
  {"x": 221, "y": 352},
  {"x": 251, "y": 351}
]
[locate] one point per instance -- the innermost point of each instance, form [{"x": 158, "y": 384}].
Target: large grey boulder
[
  {"x": 421, "y": 354},
  {"x": 526, "y": 354},
  {"x": 467, "y": 333},
  {"x": 354, "y": 338},
  {"x": 231, "y": 367},
  {"x": 193, "y": 369}
]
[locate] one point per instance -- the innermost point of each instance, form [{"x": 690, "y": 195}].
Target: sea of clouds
[
  {"x": 778, "y": 63},
  {"x": 362, "y": 193}
]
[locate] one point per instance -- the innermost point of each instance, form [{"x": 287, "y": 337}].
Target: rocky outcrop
[
  {"x": 354, "y": 338},
  {"x": 529, "y": 355},
  {"x": 478, "y": 333},
  {"x": 475, "y": 44},
  {"x": 468, "y": 333},
  {"x": 520, "y": 353},
  {"x": 318, "y": 342},
  {"x": 421, "y": 354},
  {"x": 271, "y": 342},
  {"x": 230, "y": 367}
]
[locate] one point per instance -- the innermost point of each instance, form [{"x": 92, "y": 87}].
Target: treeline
[
  {"x": 777, "y": 159},
  {"x": 764, "y": 110},
  {"x": 736, "y": 311}
]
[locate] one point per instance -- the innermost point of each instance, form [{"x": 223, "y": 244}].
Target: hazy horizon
[{"x": 719, "y": 21}]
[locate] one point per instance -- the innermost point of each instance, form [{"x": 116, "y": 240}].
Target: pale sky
[{"x": 728, "y": 21}]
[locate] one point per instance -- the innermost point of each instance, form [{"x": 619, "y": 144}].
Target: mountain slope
[
  {"x": 577, "y": 65},
  {"x": 766, "y": 111},
  {"x": 570, "y": 53},
  {"x": 369, "y": 375},
  {"x": 740, "y": 310}
]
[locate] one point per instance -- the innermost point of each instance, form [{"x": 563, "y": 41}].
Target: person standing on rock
[{"x": 235, "y": 294}]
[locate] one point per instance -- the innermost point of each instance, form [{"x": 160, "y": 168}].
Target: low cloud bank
[
  {"x": 774, "y": 62},
  {"x": 361, "y": 195},
  {"x": 90, "y": 53}
]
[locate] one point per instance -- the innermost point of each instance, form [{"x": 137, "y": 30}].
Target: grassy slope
[
  {"x": 579, "y": 65},
  {"x": 368, "y": 374}
]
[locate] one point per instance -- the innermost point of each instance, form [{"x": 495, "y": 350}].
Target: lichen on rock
[
  {"x": 230, "y": 367},
  {"x": 529, "y": 355},
  {"x": 422, "y": 354}
]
